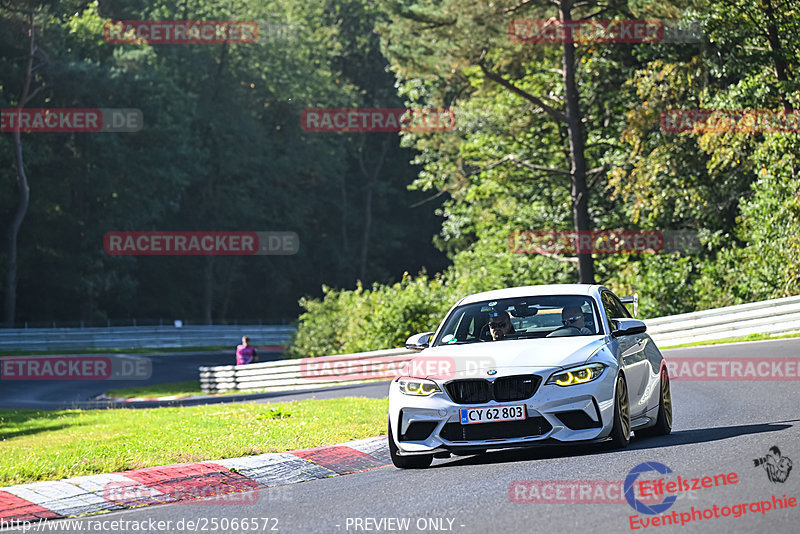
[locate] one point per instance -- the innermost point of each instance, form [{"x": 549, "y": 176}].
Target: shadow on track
[{"x": 682, "y": 437}]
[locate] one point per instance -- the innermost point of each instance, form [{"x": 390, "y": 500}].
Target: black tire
[
  {"x": 663, "y": 424},
  {"x": 621, "y": 431},
  {"x": 407, "y": 462}
]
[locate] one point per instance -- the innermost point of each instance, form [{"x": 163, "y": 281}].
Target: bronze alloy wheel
[
  {"x": 663, "y": 424},
  {"x": 624, "y": 408},
  {"x": 621, "y": 431},
  {"x": 666, "y": 399}
]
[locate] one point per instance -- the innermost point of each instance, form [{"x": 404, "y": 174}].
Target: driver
[
  {"x": 573, "y": 316},
  {"x": 500, "y": 325}
]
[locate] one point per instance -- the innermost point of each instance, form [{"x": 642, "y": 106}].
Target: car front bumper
[{"x": 578, "y": 413}]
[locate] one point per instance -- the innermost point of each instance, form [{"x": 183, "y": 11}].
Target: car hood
[{"x": 505, "y": 357}]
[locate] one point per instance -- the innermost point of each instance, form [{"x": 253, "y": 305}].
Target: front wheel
[
  {"x": 621, "y": 431},
  {"x": 663, "y": 424},
  {"x": 407, "y": 462}
]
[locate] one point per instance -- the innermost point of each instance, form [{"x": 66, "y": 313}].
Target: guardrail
[
  {"x": 305, "y": 373},
  {"x": 774, "y": 316},
  {"x": 129, "y": 337},
  {"x": 768, "y": 317}
]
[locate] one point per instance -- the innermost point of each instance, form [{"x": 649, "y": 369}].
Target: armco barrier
[
  {"x": 287, "y": 375},
  {"x": 768, "y": 317},
  {"x": 129, "y": 337}
]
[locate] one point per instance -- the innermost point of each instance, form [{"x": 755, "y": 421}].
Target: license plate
[{"x": 492, "y": 414}]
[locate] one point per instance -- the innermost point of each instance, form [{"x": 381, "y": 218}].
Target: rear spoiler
[{"x": 631, "y": 300}]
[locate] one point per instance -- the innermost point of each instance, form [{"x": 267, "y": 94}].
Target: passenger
[
  {"x": 573, "y": 316},
  {"x": 500, "y": 325}
]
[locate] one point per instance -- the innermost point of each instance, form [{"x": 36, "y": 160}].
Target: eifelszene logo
[{"x": 637, "y": 504}]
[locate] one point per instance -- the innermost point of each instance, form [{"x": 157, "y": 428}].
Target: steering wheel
[
  {"x": 484, "y": 331},
  {"x": 564, "y": 331}
]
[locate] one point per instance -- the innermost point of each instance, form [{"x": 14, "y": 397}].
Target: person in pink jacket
[{"x": 245, "y": 353}]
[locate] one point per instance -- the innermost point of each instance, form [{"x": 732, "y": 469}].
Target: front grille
[
  {"x": 472, "y": 391},
  {"x": 530, "y": 427},
  {"x": 503, "y": 389},
  {"x": 515, "y": 388}
]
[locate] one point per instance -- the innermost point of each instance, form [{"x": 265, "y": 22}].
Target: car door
[{"x": 632, "y": 355}]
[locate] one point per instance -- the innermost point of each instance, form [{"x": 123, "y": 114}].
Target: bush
[{"x": 383, "y": 317}]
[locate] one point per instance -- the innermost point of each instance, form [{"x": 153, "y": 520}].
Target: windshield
[{"x": 520, "y": 318}]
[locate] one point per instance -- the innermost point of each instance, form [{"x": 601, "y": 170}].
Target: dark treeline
[{"x": 221, "y": 149}]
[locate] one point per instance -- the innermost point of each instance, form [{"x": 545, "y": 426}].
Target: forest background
[{"x": 548, "y": 136}]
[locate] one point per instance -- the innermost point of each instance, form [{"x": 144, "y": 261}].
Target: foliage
[
  {"x": 223, "y": 149},
  {"x": 738, "y": 191}
]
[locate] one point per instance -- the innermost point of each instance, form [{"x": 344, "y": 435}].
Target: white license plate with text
[{"x": 492, "y": 414}]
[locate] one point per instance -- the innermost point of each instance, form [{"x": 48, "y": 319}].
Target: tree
[{"x": 27, "y": 93}]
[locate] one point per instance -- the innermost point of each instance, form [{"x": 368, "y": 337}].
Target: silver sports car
[{"x": 521, "y": 366}]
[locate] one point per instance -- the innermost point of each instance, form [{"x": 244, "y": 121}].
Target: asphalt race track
[
  {"x": 55, "y": 394},
  {"x": 170, "y": 367},
  {"x": 720, "y": 427}
]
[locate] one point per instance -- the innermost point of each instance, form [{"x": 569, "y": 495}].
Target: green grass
[
  {"x": 751, "y": 337},
  {"x": 39, "y": 445},
  {"x": 192, "y": 387},
  {"x": 183, "y": 389}
]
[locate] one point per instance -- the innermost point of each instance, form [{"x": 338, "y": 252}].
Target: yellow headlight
[
  {"x": 421, "y": 388},
  {"x": 565, "y": 380},
  {"x": 577, "y": 376}
]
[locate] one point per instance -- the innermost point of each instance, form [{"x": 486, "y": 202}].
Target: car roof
[{"x": 591, "y": 290}]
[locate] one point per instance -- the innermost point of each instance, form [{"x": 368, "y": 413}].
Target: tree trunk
[
  {"x": 370, "y": 177},
  {"x": 208, "y": 289},
  {"x": 226, "y": 299},
  {"x": 580, "y": 193},
  {"x": 776, "y": 51},
  {"x": 23, "y": 193},
  {"x": 345, "y": 241},
  {"x": 362, "y": 274}
]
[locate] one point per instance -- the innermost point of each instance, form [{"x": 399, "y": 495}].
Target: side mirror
[
  {"x": 627, "y": 327},
  {"x": 419, "y": 341}
]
